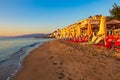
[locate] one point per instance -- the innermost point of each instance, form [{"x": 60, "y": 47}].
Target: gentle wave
[
  {"x": 18, "y": 52},
  {"x": 11, "y": 63},
  {"x": 14, "y": 61}
]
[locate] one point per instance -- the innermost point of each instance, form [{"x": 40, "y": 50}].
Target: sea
[{"x": 12, "y": 53}]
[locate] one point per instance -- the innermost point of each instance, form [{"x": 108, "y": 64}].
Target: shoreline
[
  {"x": 60, "y": 60},
  {"x": 22, "y": 58},
  {"x": 21, "y": 64}
]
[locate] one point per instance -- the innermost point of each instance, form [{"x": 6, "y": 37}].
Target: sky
[{"x": 18, "y": 17}]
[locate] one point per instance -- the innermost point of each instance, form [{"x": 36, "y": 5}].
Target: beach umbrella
[
  {"x": 72, "y": 31},
  {"x": 68, "y": 32},
  {"x": 78, "y": 29},
  {"x": 89, "y": 28},
  {"x": 113, "y": 22},
  {"x": 75, "y": 30},
  {"x": 62, "y": 33},
  {"x": 102, "y": 28}
]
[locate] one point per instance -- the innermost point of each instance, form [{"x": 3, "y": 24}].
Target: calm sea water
[{"x": 12, "y": 53}]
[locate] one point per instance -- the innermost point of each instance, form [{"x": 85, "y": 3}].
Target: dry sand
[{"x": 60, "y": 60}]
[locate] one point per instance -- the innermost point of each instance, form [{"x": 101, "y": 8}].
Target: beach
[{"x": 62, "y": 60}]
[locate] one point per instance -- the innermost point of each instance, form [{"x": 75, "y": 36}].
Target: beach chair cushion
[
  {"x": 117, "y": 42},
  {"x": 109, "y": 41}
]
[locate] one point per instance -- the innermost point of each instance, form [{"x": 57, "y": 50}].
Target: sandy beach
[{"x": 61, "y": 60}]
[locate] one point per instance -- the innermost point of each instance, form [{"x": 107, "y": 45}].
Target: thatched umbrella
[{"x": 113, "y": 24}]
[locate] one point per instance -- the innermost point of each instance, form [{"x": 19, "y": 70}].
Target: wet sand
[{"x": 61, "y": 60}]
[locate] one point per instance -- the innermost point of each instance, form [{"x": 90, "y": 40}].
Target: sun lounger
[
  {"x": 117, "y": 43},
  {"x": 109, "y": 41}
]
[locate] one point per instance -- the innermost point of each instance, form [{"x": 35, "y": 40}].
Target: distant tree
[
  {"x": 108, "y": 18},
  {"x": 114, "y": 12}
]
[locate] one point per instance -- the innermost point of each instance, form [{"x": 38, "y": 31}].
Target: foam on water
[{"x": 13, "y": 52}]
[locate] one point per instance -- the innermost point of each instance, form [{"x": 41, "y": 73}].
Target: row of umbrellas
[{"x": 72, "y": 29}]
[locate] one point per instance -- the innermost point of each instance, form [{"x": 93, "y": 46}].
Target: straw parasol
[{"x": 113, "y": 22}]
